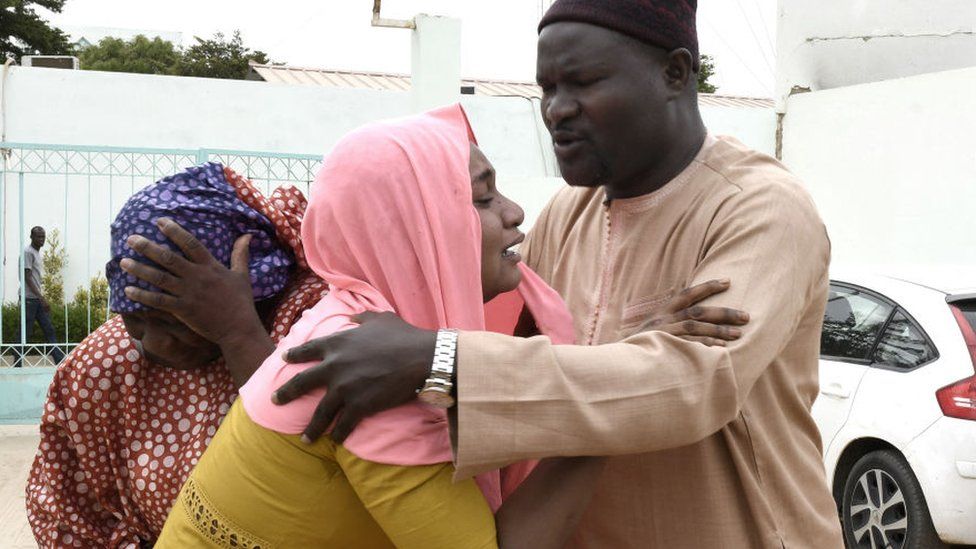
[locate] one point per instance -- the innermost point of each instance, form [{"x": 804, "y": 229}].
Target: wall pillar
[{"x": 435, "y": 75}]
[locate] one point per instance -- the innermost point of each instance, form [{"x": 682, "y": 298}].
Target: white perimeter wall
[
  {"x": 754, "y": 127},
  {"x": 825, "y": 44},
  {"x": 892, "y": 167},
  {"x": 128, "y": 110}
]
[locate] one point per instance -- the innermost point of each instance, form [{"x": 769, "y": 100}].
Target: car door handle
[{"x": 835, "y": 390}]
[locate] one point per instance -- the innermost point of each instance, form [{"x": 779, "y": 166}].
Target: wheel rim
[{"x": 877, "y": 514}]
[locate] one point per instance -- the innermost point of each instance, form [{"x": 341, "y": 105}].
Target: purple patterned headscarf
[{"x": 202, "y": 201}]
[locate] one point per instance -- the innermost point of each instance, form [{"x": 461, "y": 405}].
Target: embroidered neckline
[{"x": 647, "y": 201}]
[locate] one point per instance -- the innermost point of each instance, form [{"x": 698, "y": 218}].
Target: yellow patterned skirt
[{"x": 256, "y": 488}]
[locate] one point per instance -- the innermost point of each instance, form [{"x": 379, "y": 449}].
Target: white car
[{"x": 897, "y": 409}]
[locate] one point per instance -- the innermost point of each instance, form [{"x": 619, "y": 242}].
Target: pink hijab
[{"x": 391, "y": 227}]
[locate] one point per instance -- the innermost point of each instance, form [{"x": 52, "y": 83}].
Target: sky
[{"x": 498, "y": 36}]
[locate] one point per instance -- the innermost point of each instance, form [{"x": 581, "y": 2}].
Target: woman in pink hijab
[{"x": 404, "y": 217}]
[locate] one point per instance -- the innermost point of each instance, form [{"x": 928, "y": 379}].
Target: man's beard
[{"x": 598, "y": 176}]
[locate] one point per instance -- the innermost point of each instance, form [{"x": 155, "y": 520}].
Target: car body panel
[
  {"x": 939, "y": 457},
  {"x": 838, "y": 386},
  {"x": 900, "y": 407}
]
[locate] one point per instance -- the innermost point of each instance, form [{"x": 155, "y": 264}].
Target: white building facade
[{"x": 878, "y": 104}]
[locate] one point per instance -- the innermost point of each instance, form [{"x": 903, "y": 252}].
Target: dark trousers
[{"x": 33, "y": 310}]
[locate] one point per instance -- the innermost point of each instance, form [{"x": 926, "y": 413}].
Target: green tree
[
  {"x": 55, "y": 259},
  {"x": 219, "y": 58},
  {"x": 141, "y": 55},
  {"x": 89, "y": 305},
  {"x": 705, "y": 71},
  {"x": 24, "y": 32}
]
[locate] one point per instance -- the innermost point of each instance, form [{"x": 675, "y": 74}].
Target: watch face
[{"x": 437, "y": 398}]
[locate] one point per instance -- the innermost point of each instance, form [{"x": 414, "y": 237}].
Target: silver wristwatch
[{"x": 440, "y": 383}]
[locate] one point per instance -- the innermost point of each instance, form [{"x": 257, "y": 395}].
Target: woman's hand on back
[{"x": 682, "y": 316}]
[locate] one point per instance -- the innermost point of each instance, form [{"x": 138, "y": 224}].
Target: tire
[{"x": 902, "y": 521}]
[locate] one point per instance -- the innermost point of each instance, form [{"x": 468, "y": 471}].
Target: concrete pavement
[{"x": 17, "y": 446}]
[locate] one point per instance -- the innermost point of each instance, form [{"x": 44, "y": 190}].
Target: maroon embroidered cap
[{"x": 668, "y": 24}]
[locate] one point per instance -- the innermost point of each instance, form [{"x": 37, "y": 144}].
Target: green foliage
[
  {"x": 55, "y": 260},
  {"x": 97, "y": 293},
  {"x": 217, "y": 57},
  {"x": 86, "y": 312},
  {"x": 705, "y": 71},
  {"x": 220, "y": 58},
  {"x": 24, "y": 32},
  {"x": 140, "y": 55}
]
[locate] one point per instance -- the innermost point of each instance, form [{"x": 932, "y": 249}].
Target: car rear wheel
[{"x": 883, "y": 506}]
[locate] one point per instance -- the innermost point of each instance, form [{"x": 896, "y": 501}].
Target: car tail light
[{"x": 959, "y": 399}]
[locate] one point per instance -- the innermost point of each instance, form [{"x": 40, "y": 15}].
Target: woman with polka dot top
[{"x": 132, "y": 409}]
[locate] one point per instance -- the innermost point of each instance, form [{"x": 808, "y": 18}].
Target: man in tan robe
[
  {"x": 713, "y": 446},
  {"x": 710, "y": 446}
]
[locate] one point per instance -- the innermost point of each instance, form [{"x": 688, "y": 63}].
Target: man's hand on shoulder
[{"x": 368, "y": 369}]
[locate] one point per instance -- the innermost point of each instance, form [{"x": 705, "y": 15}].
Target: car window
[
  {"x": 852, "y": 322},
  {"x": 903, "y": 345}
]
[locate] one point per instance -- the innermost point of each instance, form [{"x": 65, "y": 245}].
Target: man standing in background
[{"x": 35, "y": 305}]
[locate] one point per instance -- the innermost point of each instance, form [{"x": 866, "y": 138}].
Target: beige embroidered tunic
[{"x": 712, "y": 447}]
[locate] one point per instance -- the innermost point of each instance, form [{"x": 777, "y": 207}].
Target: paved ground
[{"x": 17, "y": 446}]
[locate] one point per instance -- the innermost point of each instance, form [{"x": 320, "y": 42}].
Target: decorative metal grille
[{"x": 102, "y": 175}]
